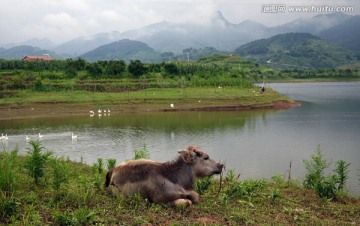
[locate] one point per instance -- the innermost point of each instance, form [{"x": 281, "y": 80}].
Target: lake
[{"x": 259, "y": 143}]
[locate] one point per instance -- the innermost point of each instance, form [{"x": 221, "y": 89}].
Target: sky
[{"x": 63, "y": 20}]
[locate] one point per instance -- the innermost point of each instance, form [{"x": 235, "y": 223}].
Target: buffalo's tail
[{"x": 108, "y": 178}]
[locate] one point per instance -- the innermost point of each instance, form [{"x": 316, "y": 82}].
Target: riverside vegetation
[
  {"x": 216, "y": 81},
  {"x": 41, "y": 189}
]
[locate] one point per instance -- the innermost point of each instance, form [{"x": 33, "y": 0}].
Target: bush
[{"x": 325, "y": 186}]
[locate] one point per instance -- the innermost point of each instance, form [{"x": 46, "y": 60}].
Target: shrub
[
  {"x": 36, "y": 160},
  {"x": 325, "y": 186},
  {"x": 141, "y": 154},
  {"x": 315, "y": 169}
]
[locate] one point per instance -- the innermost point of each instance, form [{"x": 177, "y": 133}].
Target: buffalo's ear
[
  {"x": 186, "y": 155},
  {"x": 194, "y": 150}
]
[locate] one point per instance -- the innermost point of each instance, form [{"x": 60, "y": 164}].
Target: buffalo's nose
[{"x": 220, "y": 166}]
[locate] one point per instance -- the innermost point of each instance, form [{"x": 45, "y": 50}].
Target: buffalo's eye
[{"x": 206, "y": 157}]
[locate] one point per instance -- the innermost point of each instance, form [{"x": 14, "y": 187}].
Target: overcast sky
[{"x": 63, "y": 20}]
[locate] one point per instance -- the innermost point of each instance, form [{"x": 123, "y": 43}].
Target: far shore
[
  {"x": 38, "y": 110},
  {"x": 28, "y": 104}
]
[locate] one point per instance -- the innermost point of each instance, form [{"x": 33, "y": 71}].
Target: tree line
[{"x": 18, "y": 74}]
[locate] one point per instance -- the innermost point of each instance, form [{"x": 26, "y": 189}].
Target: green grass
[
  {"x": 151, "y": 99},
  {"x": 81, "y": 201}
]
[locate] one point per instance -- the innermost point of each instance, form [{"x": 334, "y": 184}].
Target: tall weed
[
  {"x": 36, "y": 160},
  {"x": 111, "y": 163},
  {"x": 141, "y": 154},
  {"x": 342, "y": 173},
  {"x": 60, "y": 172},
  {"x": 98, "y": 170}
]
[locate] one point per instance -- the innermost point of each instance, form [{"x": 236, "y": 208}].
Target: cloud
[{"x": 62, "y": 20}]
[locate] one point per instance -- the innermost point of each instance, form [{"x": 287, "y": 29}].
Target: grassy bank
[
  {"x": 25, "y": 102},
  {"x": 70, "y": 193}
]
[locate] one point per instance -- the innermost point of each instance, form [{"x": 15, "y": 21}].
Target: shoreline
[{"x": 65, "y": 109}]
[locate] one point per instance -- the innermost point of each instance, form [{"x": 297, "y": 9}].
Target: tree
[
  {"x": 136, "y": 68},
  {"x": 94, "y": 70},
  {"x": 115, "y": 68},
  {"x": 171, "y": 69}
]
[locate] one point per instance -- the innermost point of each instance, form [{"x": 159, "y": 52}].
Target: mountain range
[
  {"x": 337, "y": 28},
  {"x": 296, "y": 50}
]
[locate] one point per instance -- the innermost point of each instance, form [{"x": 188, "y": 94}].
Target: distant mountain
[
  {"x": 296, "y": 50},
  {"x": 313, "y": 25},
  {"x": 346, "y": 34},
  {"x": 40, "y": 43},
  {"x": 20, "y": 52},
  {"x": 82, "y": 45},
  {"x": 218, "y": 33},
  {"x": 174, "y": 37},
  {"x": 123, "y": 50}
]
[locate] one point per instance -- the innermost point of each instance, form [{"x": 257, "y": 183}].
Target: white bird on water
[
  {"x": 27, "y": 138},
  {"x": 99, "y": 111},
  {"x": 73, "y": 136},
  {"x": 92, "y": 112},
  {"x": 2, "y": 137},
  {"x": 6, "y": 137},
  {"x": 172, "y": 105},
  {"x": 41, "y": 136}
]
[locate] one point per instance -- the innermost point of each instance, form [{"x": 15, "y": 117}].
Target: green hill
[
  {"x": 20, "y": 52},
  {"x": 296, "y": 50},
  {"x": 123, "y": 50}
]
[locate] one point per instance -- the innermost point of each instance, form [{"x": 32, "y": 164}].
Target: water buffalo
[{"x": 169, "y": 182}]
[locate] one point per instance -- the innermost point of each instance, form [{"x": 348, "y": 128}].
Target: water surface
[{"x": 258, "y": 143}]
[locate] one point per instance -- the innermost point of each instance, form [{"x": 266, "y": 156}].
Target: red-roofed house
[{"x": 45, "y": 57}]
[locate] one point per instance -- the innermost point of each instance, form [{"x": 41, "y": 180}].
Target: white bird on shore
[
  {"x": 172, "y": 105},
  {"x": 41, "y": 136},
  {"x": 73, "y": 136}
]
